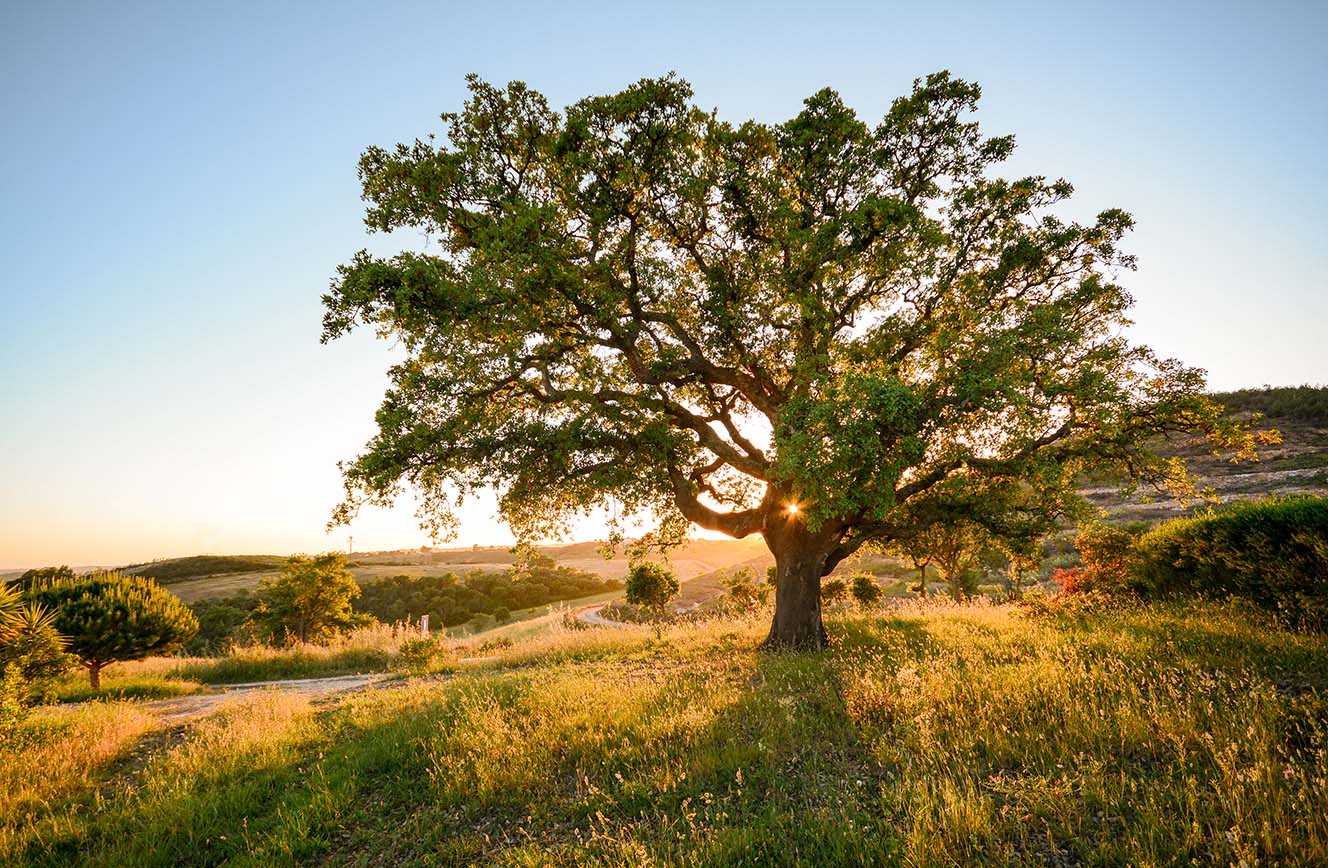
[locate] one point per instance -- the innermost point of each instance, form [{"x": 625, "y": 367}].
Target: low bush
[
  {"x": 834, "y": 591},
  {"x": 1272, "y": 552},
  {"x": 865, "y": 590},
  {"x": 745, "y": 593},
  {"x": 1109, "y": 559},
  {"x": 421, "y": 655}
]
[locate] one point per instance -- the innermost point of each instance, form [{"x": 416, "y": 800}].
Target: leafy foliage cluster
[
  {"x": 834, "y": 591},
  {"x": 450, "y": 600},
  {"x": 222, "y": 621},
  {"x": 651, "y": 584},
  {"x": 1109, "y": 560},
  {"x": 744, "y": 592},
  {"x": 38, "y": 575},
  {"x": 1272, "y": 552},
  {"x": 865, "y": 590},
  {"x": 310, "y": 601}
]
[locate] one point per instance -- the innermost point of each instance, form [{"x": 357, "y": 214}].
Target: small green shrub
[
  {"x": 13, "y": 702},
  {"x": 745, "y": 593},
  {"x": 490, "y": 645},
  {"x": 421, "y": 655},
  {"x": 1272, "y": 552},
  {"x": 834, "y": 591},
  {"x": 865, "y": 590}
]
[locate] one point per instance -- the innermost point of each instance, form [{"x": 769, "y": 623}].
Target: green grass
[
  {"x": 75, "y": 687},
  {"x": 974, "y": 735}
]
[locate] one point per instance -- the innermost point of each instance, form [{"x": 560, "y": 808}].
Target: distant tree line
[
  {"x": 272, "y": 615},
  {"x": 450, "y": 600}
]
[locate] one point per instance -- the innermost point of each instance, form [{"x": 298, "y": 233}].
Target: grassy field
[{"x": 927, "y": 736}]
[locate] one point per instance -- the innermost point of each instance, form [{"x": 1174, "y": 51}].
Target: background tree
[
  {"x": 916, "y": 549},
  {"x": 865, "y": 590},
  {"x": 106, "y": 617},
  {"x": 651, "y": 584},
  {"x": 834, "y": 591},
  {"x": 960, "y": 547},
  {"x": 310, "y": 601},
  {"x": 744, "y": 591},
  {"x": 794, "y": 330}
]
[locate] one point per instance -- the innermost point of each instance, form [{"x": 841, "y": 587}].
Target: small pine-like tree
[
  {"x": 107, "y": 617},
  {"x": 310, "y": 601},
  {"x": 651, "y": 585},
  {"x": 865, "y": 591}
]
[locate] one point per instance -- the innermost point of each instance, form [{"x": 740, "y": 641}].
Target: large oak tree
[{"x": 821, "y": 331}]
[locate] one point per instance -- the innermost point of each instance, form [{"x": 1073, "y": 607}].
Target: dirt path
[
  {"x": 179, "y": 709},
  {"x": 591, "y": 615}
]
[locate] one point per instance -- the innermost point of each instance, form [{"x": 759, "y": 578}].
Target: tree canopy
[
  {"x": 310, "y": 600},
  {"x": 651, "y": 585},
  {"x": 803, "y": 330},
  {"x": 106, "y": 617}
]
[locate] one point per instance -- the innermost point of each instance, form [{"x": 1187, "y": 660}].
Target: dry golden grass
[{"x": 929, "y": 735}]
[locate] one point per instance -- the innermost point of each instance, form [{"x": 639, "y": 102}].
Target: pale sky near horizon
[{"x": 179, "y": 184}]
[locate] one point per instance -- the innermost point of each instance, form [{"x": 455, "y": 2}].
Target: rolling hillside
[
  {"x": 1299, "y": 464},
  {"x": 205, "y": 576}
]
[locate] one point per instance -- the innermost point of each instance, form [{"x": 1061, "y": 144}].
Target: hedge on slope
[{"x": 1273, "y": 552}]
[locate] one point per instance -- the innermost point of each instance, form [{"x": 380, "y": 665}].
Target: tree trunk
[
  {"x": 94, "y": 672},
  {"x": 922, "y": 580},
  {"x": 801, "y": 558}
]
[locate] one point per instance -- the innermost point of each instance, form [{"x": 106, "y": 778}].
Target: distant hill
[
  {"x": 1297, "y": 465},
  {"x": 203, "y": 576},
  {"x": 172, "y": 570}
]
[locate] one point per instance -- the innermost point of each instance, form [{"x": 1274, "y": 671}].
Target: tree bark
[
  {"x": 94, "y": 673},
  {"x": 801, "y": 559}
]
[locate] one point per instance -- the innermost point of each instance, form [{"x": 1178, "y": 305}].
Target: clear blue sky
[{"x": 179, "y": 183}]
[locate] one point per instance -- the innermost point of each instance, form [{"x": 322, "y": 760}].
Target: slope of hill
[
  {"x": 172, "y": 570},
  {"x": 1297, "y": 465}
]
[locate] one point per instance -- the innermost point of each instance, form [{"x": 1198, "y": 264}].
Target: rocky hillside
[{"x": 1297, "y": 465}]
